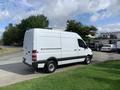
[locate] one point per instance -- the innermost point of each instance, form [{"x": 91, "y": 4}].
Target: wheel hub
[{"x": 51, "y": 67}]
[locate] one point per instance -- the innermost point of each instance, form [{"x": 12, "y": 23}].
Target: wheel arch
[
  {"x": 91, "y": 56},
  {"x": 52, "y": 59}
]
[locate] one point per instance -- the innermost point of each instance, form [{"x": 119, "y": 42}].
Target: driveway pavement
[
  {"x": 12, "y": 70},
  {"x": 102, "y": 56}
]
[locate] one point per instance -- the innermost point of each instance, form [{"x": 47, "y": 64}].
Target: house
[{"x": 108, "y": 38}]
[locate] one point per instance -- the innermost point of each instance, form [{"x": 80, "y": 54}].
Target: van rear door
[{"x": 28, "y": 46}]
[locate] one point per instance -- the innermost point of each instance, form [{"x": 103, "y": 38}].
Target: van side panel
[
  {"x": 48, "y": 45},
  {"x": 69, "y": 48}
]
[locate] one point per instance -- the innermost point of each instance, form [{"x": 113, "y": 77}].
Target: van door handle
[
  {"x": 79, "y": 49},
  {"x": 75, "y": 49}
]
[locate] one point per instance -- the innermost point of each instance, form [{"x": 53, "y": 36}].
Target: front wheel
[
  {"x": 87, "y": 60},
  {"x": 50, "y": 66}
]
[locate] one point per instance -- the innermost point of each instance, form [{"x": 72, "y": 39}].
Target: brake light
[{"x": 34, "y": 55}]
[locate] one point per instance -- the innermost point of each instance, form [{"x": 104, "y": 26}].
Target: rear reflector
[{"x": 34, "y": 55}]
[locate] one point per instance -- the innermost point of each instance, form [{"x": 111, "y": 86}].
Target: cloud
[
  {"x": 59, "y": 11},
  {"x": 114, "y": 8},
  {"x": 3, "y": 14},
  {"x": 95, "y": 17},
  {"x": 1, "y": 32},
  {"x": 99, "y": 9},
  {"x": 104, "y": 9},
  {"x": 96, "y": 5},
  {"x": 110, "y": 28}
]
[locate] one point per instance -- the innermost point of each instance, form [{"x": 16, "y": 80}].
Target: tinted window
[
  {"x": 106, "y": 45},
  {"x": 81, "y": 43}
]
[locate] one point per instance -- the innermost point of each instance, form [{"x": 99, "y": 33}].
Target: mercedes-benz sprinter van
[{"x": 44, "y": 48}]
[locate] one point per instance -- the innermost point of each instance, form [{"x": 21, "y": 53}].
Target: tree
[
  {"x": 7, "y": 35},
  {"x": 39, "y": 21},
  {"x": 93, "y": 30},
  {"x": 81, "y": 29},
  {"x": 73, "y": 26},
  {"x": 10, "y": 35},
  {"x": 15, "y": 34}
]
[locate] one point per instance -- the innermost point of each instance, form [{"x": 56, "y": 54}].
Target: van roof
[{"x": 56, "y": 31}]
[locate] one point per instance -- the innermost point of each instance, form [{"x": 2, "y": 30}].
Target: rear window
[{"x": 106, "y": 45}]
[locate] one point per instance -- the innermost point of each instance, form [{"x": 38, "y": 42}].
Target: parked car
[
  {"x": 95, "y": 46},
  {"x": 44, "y": 48},
  {"x": 108, "y": 48}
]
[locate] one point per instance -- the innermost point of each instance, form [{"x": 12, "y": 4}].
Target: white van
[{"x": 45, "y": 48}]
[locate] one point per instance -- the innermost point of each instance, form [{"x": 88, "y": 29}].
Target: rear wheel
[
  {"x": 87, "y": 60},
  {"x": 50, "y": 66}
]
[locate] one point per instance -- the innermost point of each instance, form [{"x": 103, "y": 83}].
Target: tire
[
  {"x": 50, "y": 66},
  {"x": 87, "y": 60}
]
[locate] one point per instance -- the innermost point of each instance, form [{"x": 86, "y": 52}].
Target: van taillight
[{"x": 34, "y": 55}]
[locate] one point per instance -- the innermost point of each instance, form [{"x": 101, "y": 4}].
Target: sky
[{"x": 104, "y": 14}]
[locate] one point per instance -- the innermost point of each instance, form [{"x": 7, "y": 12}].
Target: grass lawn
[
  {"x": 104, "y": 76},
  {"x": 8, "y": 50}
]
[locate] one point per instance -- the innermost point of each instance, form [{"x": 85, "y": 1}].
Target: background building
[{"x": 108, "y": 38}]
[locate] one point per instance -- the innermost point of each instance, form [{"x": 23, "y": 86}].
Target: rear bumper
[
  {"x": 106, "y": 50},
  {"x": 110, "y": 50},
  {"x": 38, "y": 65},
  {"x": 35, "y": 64},
  {"x": 118, "y": 50}
]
